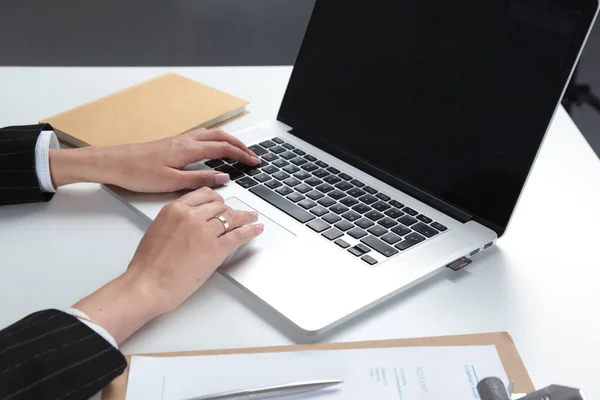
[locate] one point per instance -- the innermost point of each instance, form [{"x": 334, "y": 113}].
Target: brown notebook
[
  {"x": 513, "y": 365},
  {"x": 161, "y": 107}
]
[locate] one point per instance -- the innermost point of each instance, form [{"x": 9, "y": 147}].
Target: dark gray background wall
[{"x": 186, "y": 33}]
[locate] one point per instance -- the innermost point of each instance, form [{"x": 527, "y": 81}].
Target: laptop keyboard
[{"x": 330, "y": 202}]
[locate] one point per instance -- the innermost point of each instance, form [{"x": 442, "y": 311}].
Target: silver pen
[{"x": 270, "y": 391}]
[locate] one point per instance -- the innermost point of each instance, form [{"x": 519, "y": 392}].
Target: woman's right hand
[{"x": 183, "y": 247}]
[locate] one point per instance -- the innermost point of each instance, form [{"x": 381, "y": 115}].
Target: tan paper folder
[
  {"x": 161, "y": 107},
  {"x": 513, "y": 365}
]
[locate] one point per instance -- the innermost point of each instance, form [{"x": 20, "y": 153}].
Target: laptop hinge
[{"x": 399, "y": 184}]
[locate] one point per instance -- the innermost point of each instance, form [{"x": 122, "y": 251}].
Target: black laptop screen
[{"x": 450, "y": 97}]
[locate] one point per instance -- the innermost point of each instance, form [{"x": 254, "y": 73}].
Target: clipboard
[{"x": 511, "y": 360}]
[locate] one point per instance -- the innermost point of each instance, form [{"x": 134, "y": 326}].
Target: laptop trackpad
[{"x": 273, "y": 235}]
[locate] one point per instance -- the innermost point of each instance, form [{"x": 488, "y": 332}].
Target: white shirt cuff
[
  {"x": 46, "y": 141},
  {"x": 97, "y": 328}
]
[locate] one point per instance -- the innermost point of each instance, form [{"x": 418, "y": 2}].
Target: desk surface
[{"x": 540, "y": 283}]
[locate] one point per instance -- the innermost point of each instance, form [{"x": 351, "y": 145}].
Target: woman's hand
[
  {"x": 182, "y": 248},
  {"x": 152, "y": 167}
]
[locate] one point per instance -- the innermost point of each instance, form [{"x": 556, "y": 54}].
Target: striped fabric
[
  {"x": 18, "y": 180},
  {"x": 52, "y": 355}
]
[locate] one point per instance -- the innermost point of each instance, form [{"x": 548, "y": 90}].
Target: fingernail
[
  {"x": 255, "y": 213},
  {"x": 221, "y": 179},
  {"x": 260, "y": 227},
  {"x": 255, "y": 160}
]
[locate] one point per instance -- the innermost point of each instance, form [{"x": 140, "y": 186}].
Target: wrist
[
  {"x": 122, "y": 306},
  {"x": 88, "y": 164}
]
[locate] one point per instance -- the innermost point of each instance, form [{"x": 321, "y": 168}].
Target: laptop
[{"x": 402, "y": 145}]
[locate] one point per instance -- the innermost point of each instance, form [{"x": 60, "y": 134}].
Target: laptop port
[
  {"x": 487, "y": 246},
  {"x": 474, "y": 252}
]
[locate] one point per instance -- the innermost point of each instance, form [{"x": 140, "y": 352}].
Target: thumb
[{"x": 197, "y": 179}]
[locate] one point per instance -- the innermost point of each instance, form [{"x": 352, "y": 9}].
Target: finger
[
  {"x": 196, "y": 179},
  {"x": 241, "y": 236},
  {"x": 234, "y": 218},
  {"x": 215, "y": 150},
  {"x": 199, "y": 197},
  {"x": 217, "y": 135},
  {"x": 209, "y": 211}
]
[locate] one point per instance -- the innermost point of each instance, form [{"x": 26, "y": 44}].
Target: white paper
[{"x": 413, "y": 373}]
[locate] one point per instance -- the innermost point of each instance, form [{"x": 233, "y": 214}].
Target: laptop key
[
  {"x": 277, "y": 140},
  {"x": 368, "y": 259},
  {"x": 345, "y": 177},
  {"x": 370, "y": 190},
  {"x": 319, "y": 211},
  {"x": 280, "y": 162},
  {"x": 288, "y": 155},
  {"x": 246, "y": 182},
  {"x": 363, "y": 248},
  {"x": 407, "y": 220},
  {"x": 288, "y": 146},
  {"x": 326, "y": 202},
  {"x": 377, "y": 230},
  {"x": 270, "y": 157},
  {"x": 401, "y": 230},
  {"x": 364, "y": 223},
  {"x": 214, "y": 163},
  {"x": 262, "y": 178},
  {"x": 333, "y": 170},
  {"x": 299, "y": 152},
  {"x": 383, "y": 197},
  {"x": 267, "y": 143},
  {"x": 387, "y": 222},
  {"x": 280, "y": 175},
  {"x": 310, "y": 158},
  {"x": 351, "y": 216},
  {"x": 425, "y": 230},
  {"x": 290, "y": 169},
  {"x": 410, "y": 211},
  {"x": 320, "y": 173},
  {"x": 344, "y": 186},
  {"x": 253, "y": 171},
  {"x": 282, "y": 204},
  {"x": 309, "y": 167},
  {"x": 356, "y": 182},
  {"x": 361, "y": 208},
  {"x": 277, "y": 149},
  {"x": 332, "y": 179},
  {"x": 295, "y": 197},
  {"x": 368, "y": 199},
  {"x": 312, "y": 181},
  {"x": 291, "y": 181},
  {"x": 228, "y": 169},
  {"x": 337, "y": 194},
  {"x": 439, "y": 226},
  {"x": 342, "y": 243},
  {"x": 374, "y": 215},
  {"x": 325, "y": 188},
  {"x": 302, "y": 188},
  {"x": 409, "y": 241},
  {"x": 396, "y": 203},
  {"x": 314, "y": 194},
  {"x": 338, "y": 209},
  {"x": 391, "y": 238},
  {"x": 357, "y": 233},
  {"x": 284, "y": 190},
  {"x": 273, "y": 184},
  {"x": 349, "y": 201},
  {"x": 356, "y": 192},
  {"x": 298, "y": 161},
  {"x": 424, "y": 218},
  {"x": 344, "y": 225},
  {"x": 322, "y": 164},
  {"x": 381, "y": 206},
  {"x": 258, "y": 150},
  {"x": 379, "y": 246},
  {"x": 394, "y": 213},
  {"x": 302, "y": 175},
  {"x": 270, "y": 169},
  {"x": 331, "y": 218},
  {"x": 307, "y": 204},
  {"x": 355, "y": 251},
  {"x": 332, "y": 234},
  {"x": 318, "y": 226}
]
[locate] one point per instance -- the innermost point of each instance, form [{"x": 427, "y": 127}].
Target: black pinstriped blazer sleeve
[
  {"x": 18, "y": 180},
  {"x": 52, "y": 355}
]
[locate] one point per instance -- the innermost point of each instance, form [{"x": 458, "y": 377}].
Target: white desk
[{"x": 541, "y": 284}]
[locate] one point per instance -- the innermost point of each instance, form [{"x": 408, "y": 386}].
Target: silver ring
[{"x": 224, "y": 222}]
